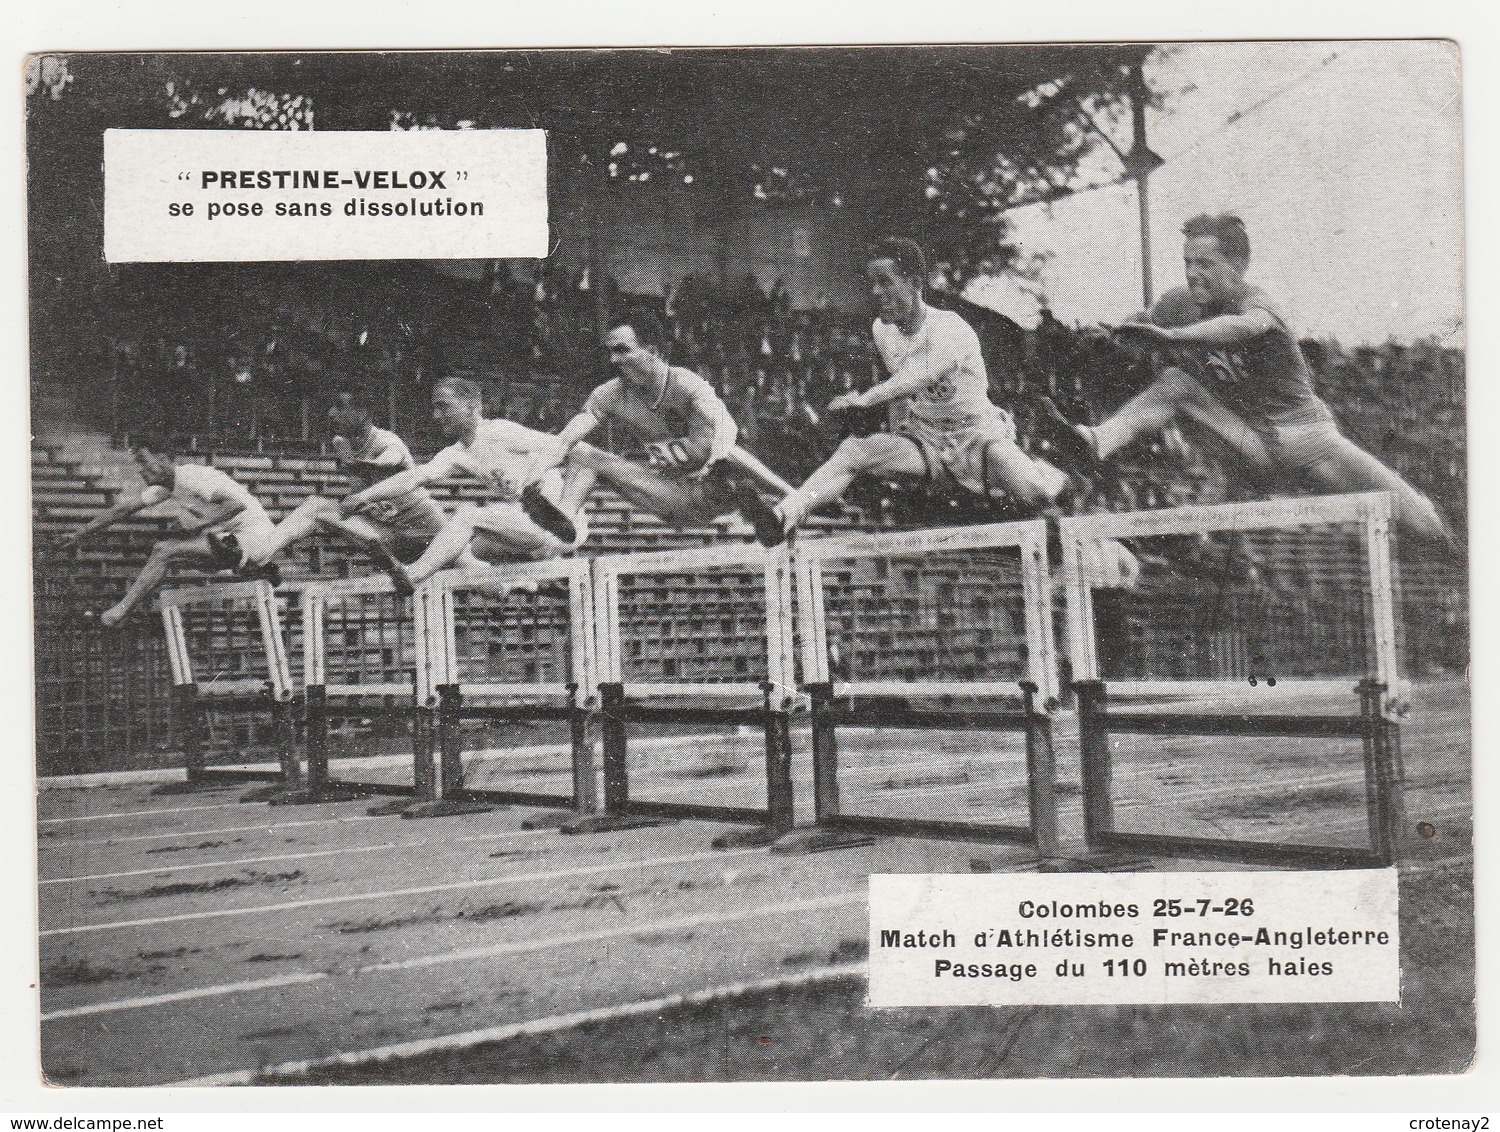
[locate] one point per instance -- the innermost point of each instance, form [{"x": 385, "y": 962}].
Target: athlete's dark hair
[
  {"x": 905, "y": 254},
  {"x": 347, "y": 400},
  {"x": 649, "y": 331},
  {"x": 462, "y": 388},
  {"x": 153, "y": 451},
  {"x": 1227, "y": 228}
]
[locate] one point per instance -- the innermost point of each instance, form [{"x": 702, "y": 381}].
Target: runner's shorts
[
  {"x": 253, "y": 535},
  {"x": 407, "y": 524},
  {"x": 1298, "y": 446},
  {"x": 507, "y": 522},
  {"x": 713, "y": 493},
  {"x": 954, "y": 450}
]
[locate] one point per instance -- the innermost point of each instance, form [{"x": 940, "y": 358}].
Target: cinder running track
[{"x": 190, "y": 936}]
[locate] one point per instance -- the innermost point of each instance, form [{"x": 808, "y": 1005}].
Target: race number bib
[
  {"x": 669, "y": 455},
  {"x": 940, "y": 389}
]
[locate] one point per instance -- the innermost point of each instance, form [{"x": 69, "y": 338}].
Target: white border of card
[{"x": 98, "y": 27}]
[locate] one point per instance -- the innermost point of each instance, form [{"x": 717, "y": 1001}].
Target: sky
[{"x": 1345, "y": 162}]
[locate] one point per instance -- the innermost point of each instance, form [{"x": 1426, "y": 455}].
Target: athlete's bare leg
[
  {"x": 1172, "y": 396},
  {"x": 1010, "y": 471},
  {"x": 447, "y": 546},
  {"x": 194, "y": 550},
  {"x": 664, "y": 497},
  {"x": 578, "y": 484},
  {"x": 309, "y": 516},
  {"x": 1223, "y": 435},
  {"x": 1349, "y": 468},
  {"x": 506, "y": 533},
  {"x": 468, "y": 560},
  {"x": 356, "y": 528},
  {"x": 1234, "y": 446},
  {"x": 880, "y": 454}
]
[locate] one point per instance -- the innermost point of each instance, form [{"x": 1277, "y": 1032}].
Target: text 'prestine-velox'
[{"x": 325, "y": 179}]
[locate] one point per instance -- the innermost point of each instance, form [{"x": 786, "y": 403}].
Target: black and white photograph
[{"x": 750, "y": 564}]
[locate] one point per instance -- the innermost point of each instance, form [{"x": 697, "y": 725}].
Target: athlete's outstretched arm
[
  {"x": 1222, "y": 330},
  {"x": 572, "y": 432},
  {"x": 751, "y": 464},
  {"x": 226, "y": 510},
  {"x": 107, "y": 519},
  {"x": 725, "y": 432},
  {"x": 579, "y": 428},
  {"x": 917, "y": 373},
  {"x": 386, "y": 460},
  {"x": 398, "y": 484}
]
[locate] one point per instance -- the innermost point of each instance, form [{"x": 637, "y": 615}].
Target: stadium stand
[{"x": 250, "y": 397}]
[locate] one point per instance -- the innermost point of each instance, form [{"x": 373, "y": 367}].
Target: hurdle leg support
[
  {"x": 424, "y": 767},
  {"x": 1098, "y": 775},
  {"x": 585, "y": 788},
  {"x": 290, "y": 783},
  {"x": 1382, "y": 754},
  {"x": 779, "y": 803},
  {"x": 444, "y": 797},
  {"x": 190, "y": 717},
  {"x": 318, "y": 787},
  {"x": 1041, "y": 776},
  {"x": 616, "y": 813},
  {"x": 315, "y": 720},
  {"x": 824, "y": 834}
]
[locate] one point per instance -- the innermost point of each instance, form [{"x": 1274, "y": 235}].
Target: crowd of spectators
[{"x": 251, "y": 363}]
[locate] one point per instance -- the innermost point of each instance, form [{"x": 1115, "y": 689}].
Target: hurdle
[
  {"x": 932, "y": 607},
  {"x": 213, "y": 616},
  {"x": 523, "y": 657},
  {"x": 645, "y": 667},
  {"x": 1338, "y": 627},
  {"x": 372, "y": 638}
]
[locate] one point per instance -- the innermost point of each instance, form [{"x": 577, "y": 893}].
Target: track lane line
[
  {"x": 501, "y": 836},
  {"x": 215, "y": 991},
  {"x": 424, "y": 890},
  {"x": 546, "y": 1025},
  {"x": 168, "y": 869},
  {"x": 265, "y": 827},
  {"x": 140, "y": 813},
  {"x": 421, "y": 961}
]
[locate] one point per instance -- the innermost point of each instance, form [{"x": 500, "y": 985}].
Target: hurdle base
[
  {"x": 170, "y": 789},
  {"x": 443, "y": 808},
  {"x": 311, "y": 796},
  {"x": 1101, "y": 862},
  {"x": 817, "y": 839},
  {"x": 216, "y": 778},
  {"x": 754, "y": 838},
  {"x": 549, "y": 819},
  {"x": 1020, "y": 865},
  {"x": 609, "y": 823},
  {"x": 390, "y": 809}
]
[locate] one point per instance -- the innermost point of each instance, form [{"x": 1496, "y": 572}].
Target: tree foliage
[{"x": 935, "y": 142}]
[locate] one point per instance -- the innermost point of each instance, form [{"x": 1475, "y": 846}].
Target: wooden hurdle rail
[
  {"x": 459, "y": 698},
  {"x": 415, "y": 701},
  {"x": 1381, "y": 696},
  {"x": 620, "y": 704},
  {"x": 830, "y": 707},
  {"x": 193, "y": 699}
]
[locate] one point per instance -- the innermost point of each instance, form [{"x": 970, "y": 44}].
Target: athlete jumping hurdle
[
  {"x": 1237, "y": 382},
  {"x": 225, "y": 526},
  {"x": 944, "y": 427},
  {"x": 517, "y": 463},
  {"x": 393, "y": 530},
  {"x": 692, "y": 470}
]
